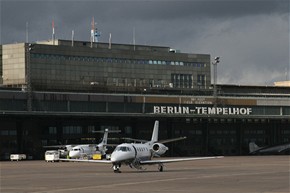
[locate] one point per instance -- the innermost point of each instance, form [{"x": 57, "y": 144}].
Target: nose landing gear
[{"x": 116, "y": 168}]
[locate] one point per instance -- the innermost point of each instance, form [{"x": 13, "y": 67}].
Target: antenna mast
[
  {"x": 134, "y": 38},
  {"x": 110, "y": 41},
  {"x": 72, "y": 38},
  {"x": 53, "y": 34},
  {"x": 26, "y": 32},
  {"x": 94, "y": 33}
]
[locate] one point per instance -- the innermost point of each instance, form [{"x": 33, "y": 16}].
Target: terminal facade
[{"x": 60, "y": 93}]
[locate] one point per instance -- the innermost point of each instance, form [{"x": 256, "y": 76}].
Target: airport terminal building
[{"x": 60, "y": 92}]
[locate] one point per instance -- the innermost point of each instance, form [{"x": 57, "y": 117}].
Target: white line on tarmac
[{"x": 154, "y": 181}]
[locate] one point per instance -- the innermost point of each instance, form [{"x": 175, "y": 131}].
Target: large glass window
[
  {"x": 201, "y": 80},
  {"x": 181, "y": 80}
]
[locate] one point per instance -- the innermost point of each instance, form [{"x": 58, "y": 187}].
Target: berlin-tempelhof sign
[{"x": 201, "y": 110}]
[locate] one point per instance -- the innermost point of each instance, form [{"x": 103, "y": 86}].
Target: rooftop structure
[
  {"x": 282, "y": 83},
  {"x": 102, "y": 67}
]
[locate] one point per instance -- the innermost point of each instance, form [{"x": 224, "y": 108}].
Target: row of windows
[
  {"x": 185, "y": 80},
  {"x": 251, "y": 132},
  {"x": 124, "y": 148},
  {"x": 117, "y": 60},
  {"x": 8, "y": 132},
  {"x": 91, "y": 129},
  {"x": 195, "y": 132},
  {"x": 181, "y": 80},
  {"x": 222, "y": 132},
  {"x": 223, "y": 141},
  {"x": 142, "y": 149},
  {"x": 72, "y": 130}
]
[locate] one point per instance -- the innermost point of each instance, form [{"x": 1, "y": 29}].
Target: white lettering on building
[{"x": 202, "y": 110}]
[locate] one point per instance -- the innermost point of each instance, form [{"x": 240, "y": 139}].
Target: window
[
  {"x": 8, "y": 132},
  {"x": 72, "y": 130},
  {"x": 123, "y": 148},
  {"x": 52, "y": 130},
  {"x": 91, "y": 129},
  {"x": 181, "y": 80},
  {"x": 201, "y": 80}
]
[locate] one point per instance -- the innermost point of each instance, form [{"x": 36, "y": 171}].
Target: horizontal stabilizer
[
  {"x": 111, "y": 145},
  {"x": 107, "y": 130}
]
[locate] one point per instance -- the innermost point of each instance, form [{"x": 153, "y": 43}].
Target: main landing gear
[{"x": 160, "y": 167}]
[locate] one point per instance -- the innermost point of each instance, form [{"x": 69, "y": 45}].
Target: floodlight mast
[
  {"x": 29, "y": 48},
  {"x": 216, "y": 61}
]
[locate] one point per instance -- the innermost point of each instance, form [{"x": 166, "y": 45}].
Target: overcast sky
[{"x": 250, "y": 36}]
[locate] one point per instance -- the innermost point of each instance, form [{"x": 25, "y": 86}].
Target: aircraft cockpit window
[{"x": 123, "y": 148}]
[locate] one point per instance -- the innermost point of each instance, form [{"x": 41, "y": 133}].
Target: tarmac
[{"x": 252, "y": 174}]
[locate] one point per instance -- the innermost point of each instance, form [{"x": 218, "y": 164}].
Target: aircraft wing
[
  {"x": 59, "y": 146},
  {"x": 83, "y": 160},
  {"x": 177, "y": 160},
  {"x": 284, "y": 147},
  {"x": 171, "y": 140},
  {"x": 159, "y": 141},
  {"x": 136, "y": 140}
]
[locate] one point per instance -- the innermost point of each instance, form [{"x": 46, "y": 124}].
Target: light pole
[
  {"x": 28, "y": 78},
  {"x": 216, "y": 61}
]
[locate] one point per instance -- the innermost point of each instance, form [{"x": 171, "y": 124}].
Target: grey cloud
[{"x": 251, "y": 36}]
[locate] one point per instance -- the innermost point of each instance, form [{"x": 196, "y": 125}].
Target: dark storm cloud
[
  {"x": 199, "y": 9},
  {"x": 123, "y": 14},
  {"x": 251, "y": 36}
]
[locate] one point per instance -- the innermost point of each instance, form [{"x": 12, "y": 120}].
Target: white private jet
[
  {"x": 87, "y": 150},
  {"x": 62, "y": 149},
  {"x": 136, "y": 155}
]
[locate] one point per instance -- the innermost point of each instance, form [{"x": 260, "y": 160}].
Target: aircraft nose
[
  {"x": 121, "y": 156},
  {"x": 73, "y": 154},
  {"x": 113, "y": 159}
]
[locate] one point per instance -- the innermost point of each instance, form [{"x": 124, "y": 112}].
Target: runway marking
[{"x": 153, "y": 181}]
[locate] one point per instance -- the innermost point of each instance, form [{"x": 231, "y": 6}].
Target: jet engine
[{"x": 159, "y": 149}]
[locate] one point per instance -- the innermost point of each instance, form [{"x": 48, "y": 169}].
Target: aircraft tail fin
[
  {"x": 105, "y": 137},
  {"x": 154, "y": 137},
  {"x": 253, "y": 147}
]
